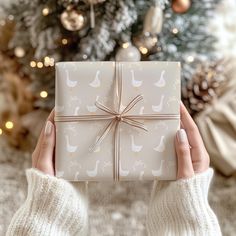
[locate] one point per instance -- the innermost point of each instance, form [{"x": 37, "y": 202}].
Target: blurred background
[{"x": 35, "y": 34}]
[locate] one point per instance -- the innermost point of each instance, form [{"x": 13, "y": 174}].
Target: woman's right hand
[{"x": 192, "y": 156}]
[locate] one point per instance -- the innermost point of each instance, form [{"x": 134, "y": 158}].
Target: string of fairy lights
[{"x": 143, "y": 45}]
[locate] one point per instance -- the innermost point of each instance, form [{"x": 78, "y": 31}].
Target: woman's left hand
[{"x": 43, "y": 155}]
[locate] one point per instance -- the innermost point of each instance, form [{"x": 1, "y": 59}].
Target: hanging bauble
[
  {"x": 128, "y": 53},
  {"x": 153, "y": 20},
  {"x": 181, "y": 6},
  {"x": 145, "y": 41},
  {"x": 72, "y": 19}
]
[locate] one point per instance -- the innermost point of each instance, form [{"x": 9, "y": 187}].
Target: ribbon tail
[
  {"x": 116, "y": 167},
  {"x": 132, "y": 103},
  {"x": 102, "y": 136}
]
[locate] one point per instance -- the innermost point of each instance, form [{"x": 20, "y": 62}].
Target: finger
[
  {"x": 36, "y": 152},
  {"x": 45, "y": 159},
  {"x": 185, "y": 166},
  {"x": 198, "y": 150},
  {"x": 189, "y": 125}
]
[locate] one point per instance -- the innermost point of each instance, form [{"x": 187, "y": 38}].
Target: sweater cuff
[
  {"x": 181, "y": 207},
  {"x": 53, "y": 207}
]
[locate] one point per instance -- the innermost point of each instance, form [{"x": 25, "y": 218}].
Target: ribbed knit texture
[
  {"x": 181, "y": 208},
  {"x": 53, "y": 207}
]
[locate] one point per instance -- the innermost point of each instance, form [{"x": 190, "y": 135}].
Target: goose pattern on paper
[{"x": 143, "y": 155}]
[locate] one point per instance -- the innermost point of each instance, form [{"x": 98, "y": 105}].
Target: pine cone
[{"x": 206, "y": 85}]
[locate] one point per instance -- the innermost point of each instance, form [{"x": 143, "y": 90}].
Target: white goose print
[
  {"x": 92, "y": 108},
  {"x": 158, "y": 172},
  {"x": 70, "y": 83},
  {"x": 123, "y": 172},
  {"x": 141, "y": 110},
  {"x": 76, "y": 111},
  {"x": 94, "y": 172},
  {"x": 96, "y": 82},
  {"x": 161, "y": 82},
  {"x": 158, "y": 108},
  {"x": 76, "y": 177},
  {"x": 135, "y": 148},
  {"x": 161, "y": 146},
  {"x": 141, "y": 174},
  {"x": 135, "y": 83},
  {"x": 69, "y": 147}
]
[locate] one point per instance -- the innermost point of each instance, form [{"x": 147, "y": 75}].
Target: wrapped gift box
[{"x": 116, "y": 120}]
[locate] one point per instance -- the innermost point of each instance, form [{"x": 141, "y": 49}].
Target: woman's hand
[
  {"x": 43, "y": 155},
  {"x": 191, "y": 152}
]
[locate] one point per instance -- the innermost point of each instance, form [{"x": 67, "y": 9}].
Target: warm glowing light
[
  {"x": 52, "y": 61},
  {"x": 9, "y": 125},
  {"x": 39, "y": 64},
  {"x": 19, "y": 51},
  {"x": 10, "y": 17},
  {"x": 190, "y": 58},
  {"x": 32, "y": 63},
  {"x": 175, "y": 31},
  {"x": 47, "y": 61},
  {"x": 85, "y": 56},
  {"x": 0, "y": 131},
  {"x": 45, "y": 11},
  {"x": 143, "y": 50},
  {"x": 154, "y": 40},
  {"x": 64, "y": 41},
  {"x": 43, "y": 94},
  {"x": 125, "y": 45}
]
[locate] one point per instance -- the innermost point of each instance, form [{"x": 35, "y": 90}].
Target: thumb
[
  {"x": 185, "y": 166},
  {"x": 45, "y": 159}
]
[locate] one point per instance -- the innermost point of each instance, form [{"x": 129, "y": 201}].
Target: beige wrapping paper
[{"x": 143, "y": 155}]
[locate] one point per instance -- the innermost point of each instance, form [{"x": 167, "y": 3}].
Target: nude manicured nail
[
  {"x": 48, "y": 128},
  {"x": 182, "y": 136}
]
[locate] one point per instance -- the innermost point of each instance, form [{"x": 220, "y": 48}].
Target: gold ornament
[
  {"x": 181, "y": 6},
  {"x": 153, "y": 20},
  {"x": 72, "y": 19}
]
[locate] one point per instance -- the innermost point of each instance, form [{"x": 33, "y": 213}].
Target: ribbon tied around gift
[{"x": 116, "y": 117}]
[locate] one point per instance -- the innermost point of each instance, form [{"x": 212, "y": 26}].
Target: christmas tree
[{"x": 70, "y": 30}]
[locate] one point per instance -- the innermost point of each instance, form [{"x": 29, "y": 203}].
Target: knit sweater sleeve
[
  {"x": 52, "y": 207},
  {"x": 181, "y": 208}
]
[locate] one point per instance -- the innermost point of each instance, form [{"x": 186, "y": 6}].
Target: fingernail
[
  {"x": 48, "y": 128},
  {"x": 182, "y": 136}
]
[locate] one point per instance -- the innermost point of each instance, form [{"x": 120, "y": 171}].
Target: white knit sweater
[{"x": 54, "y": 207}]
